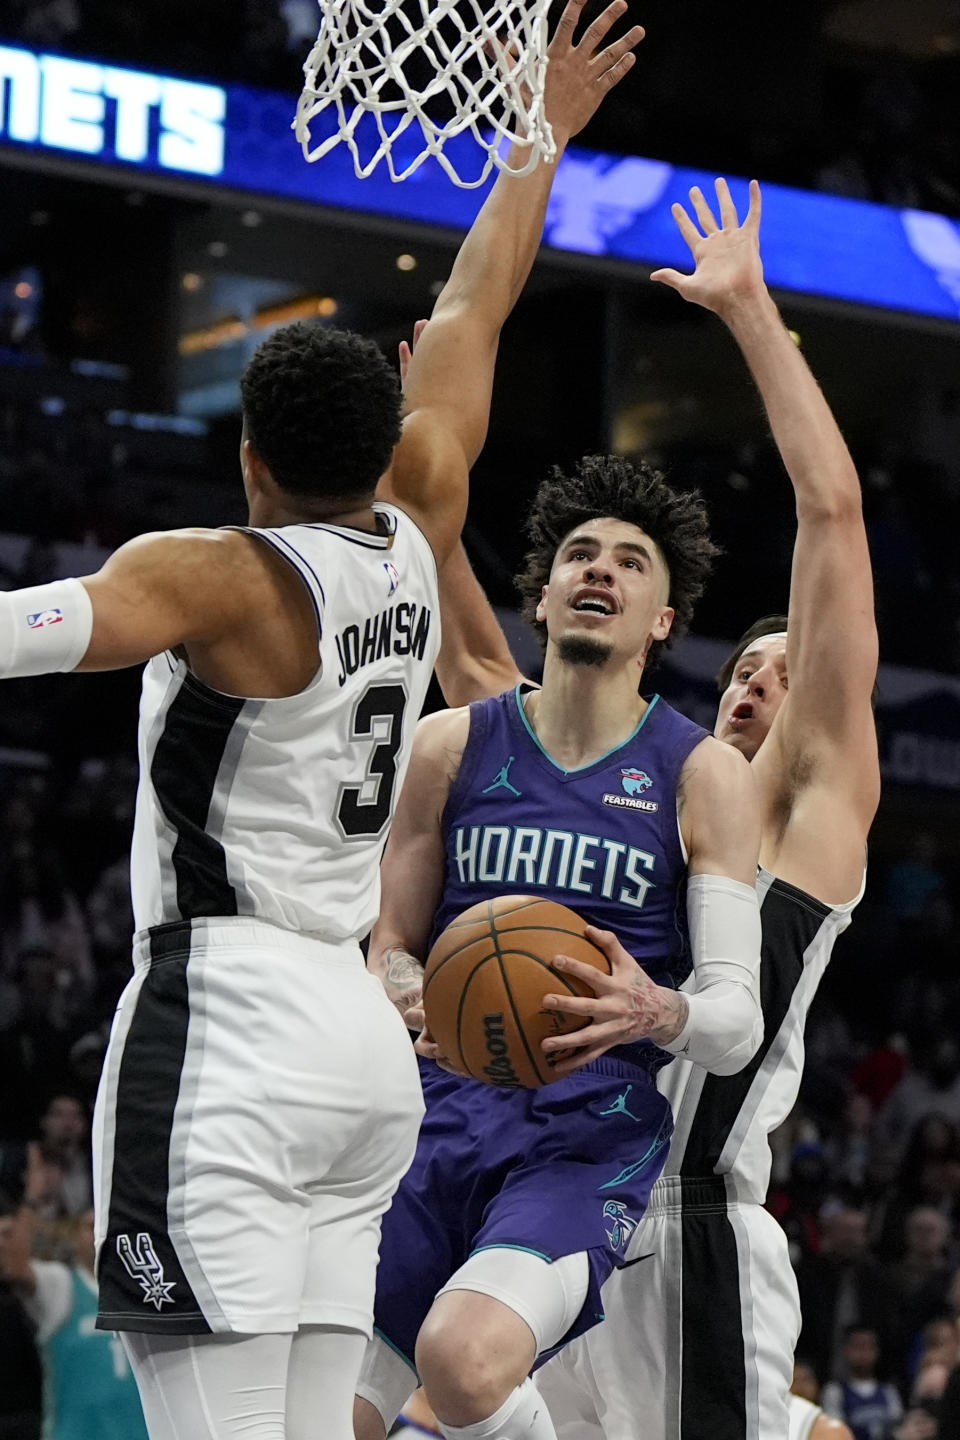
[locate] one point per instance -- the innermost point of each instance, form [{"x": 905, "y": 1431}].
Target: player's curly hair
[
  {"x": 322, "y": 409},
  {"x": 603, "y": 486}
]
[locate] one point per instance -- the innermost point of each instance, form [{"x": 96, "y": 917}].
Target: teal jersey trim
[
  {"x": 396, "y": 1350},
  {"x": 600, "y": 758},
  {"x": 524, "y": 1249}
]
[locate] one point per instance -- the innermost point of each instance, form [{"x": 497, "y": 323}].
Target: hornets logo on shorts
[{"x": 621, "y": 1227}]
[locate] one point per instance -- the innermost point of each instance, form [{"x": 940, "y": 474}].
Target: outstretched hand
[
  {"x": 727, "y": 254},
  {"x": 580, "y": 74}
]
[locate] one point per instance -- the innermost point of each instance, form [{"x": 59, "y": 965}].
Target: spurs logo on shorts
[
  {"x": 142, "y": 1265},
  {"x": 622, "y": 1226}
]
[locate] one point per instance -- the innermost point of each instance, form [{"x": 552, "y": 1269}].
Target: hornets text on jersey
[{"x": 515, "y": 821}]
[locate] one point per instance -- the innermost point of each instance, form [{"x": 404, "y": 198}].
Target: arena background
[{"x": 135, "y": 280}]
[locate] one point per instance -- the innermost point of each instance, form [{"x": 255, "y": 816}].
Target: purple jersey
[
  {"x": 603, "y": 839},
  {"x": 569, "y": 1167}
]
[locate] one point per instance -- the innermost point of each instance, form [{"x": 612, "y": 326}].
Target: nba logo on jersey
[
  {"x": 142, "y": 1265},
  {"x": 44, "y": 617},
  {"x": 393, "y": 576}
]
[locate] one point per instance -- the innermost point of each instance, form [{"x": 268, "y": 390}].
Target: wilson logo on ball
[
  {"x": 485, "y": 981},
  {"x": 500, "y": 1071}
]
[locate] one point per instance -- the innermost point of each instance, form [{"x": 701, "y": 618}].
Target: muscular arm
[
  {"x": 449, "y": 382},
  {"x": 475, "y": 660},
  {"x": 832, "y": 647},
  {"x": 411, "y": 875},
  {"x": 157, "y": 592}
]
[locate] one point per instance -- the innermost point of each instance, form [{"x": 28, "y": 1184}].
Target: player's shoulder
[
  {"x": 442, "y": 730},
  {"x": 720, "y": 766},
  {"x": 195, "y": 548},
  {"x": 226, "y": 573}
]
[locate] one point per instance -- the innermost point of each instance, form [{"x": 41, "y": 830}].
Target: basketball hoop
[{"x": 426, "y": 72}]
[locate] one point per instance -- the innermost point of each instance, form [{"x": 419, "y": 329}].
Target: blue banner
[{"x": 607, "y": 206}]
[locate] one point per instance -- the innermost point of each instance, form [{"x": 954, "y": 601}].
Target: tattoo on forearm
[
  {"x": 401, "y": 968},
  {"x": 657, "y": 1013},
  {"x": 677, "y": 1011}
]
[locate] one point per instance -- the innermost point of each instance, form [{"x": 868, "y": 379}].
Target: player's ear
[
  {"x": 256, "y": 477},
  {"x": 542, "y": 606},
  {"x": 661, "y": 626}
]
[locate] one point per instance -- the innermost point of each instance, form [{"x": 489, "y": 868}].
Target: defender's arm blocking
[{"x": 449, "y": 383}]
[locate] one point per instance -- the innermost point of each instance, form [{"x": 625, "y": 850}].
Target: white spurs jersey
[
  {"x": 279, "y": 809},
  {"x": 722, "y": 1122}
]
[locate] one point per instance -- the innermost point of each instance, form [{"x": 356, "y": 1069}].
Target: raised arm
[
  {"x": 449, "y": 384},
  {"x": 474, "y": 660},
  {"x": 832, "y": 647},
  {"x": 716, "y": 1021},
  {"x": 412, "y": 871},
  {"x": 154, "y": 593}
]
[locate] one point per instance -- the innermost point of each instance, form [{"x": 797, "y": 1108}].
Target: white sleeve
[
  {"x": 52, "y": 1300},
  {"x": 44, "y": 628},
  {"x": 725, "y": 1023}
]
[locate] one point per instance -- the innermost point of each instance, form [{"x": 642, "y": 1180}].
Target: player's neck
[
  {"x": 581, "y": 713},
  {"x": 273, "y": 509}
]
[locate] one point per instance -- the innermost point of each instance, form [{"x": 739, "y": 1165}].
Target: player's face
[
  {"x": 609, "y": 585},
  {"x": 750, "y": 702}
]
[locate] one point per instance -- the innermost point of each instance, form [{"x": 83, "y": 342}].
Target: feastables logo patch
[{"x": 633, "y": 782}]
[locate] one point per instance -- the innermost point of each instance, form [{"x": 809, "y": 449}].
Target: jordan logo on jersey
[
  {"x": 142, "y": 1265},
  {"x": 501, "y": 780}
]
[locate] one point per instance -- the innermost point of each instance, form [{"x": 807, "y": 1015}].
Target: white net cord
[{"x": 436, "y": 69}]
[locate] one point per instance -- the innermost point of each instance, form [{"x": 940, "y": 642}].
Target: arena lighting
[
  {"x": 614, "y": 209},
  {"x": 228, "y": 332},
  {"x": 109, "y": 113}
]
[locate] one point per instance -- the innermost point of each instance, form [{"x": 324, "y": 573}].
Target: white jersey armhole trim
[
  {"x": 766, "y": 877},
  {"x": 391, "y": 508}
]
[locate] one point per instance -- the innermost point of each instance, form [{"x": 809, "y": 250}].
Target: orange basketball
[{"x": 485, "y": 980}]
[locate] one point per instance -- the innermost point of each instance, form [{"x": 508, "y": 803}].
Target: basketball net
[{"x": 428, "y": 71}]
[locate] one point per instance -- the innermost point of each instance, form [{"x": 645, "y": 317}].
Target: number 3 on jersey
[{"x": 363, "y": 810}]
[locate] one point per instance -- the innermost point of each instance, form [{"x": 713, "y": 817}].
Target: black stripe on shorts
[
  {"x": 142, "y": 1284},
  {"x": 713, "y": 1401}
]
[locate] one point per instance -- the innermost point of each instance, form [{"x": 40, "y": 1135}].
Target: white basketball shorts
[
  {"x": 701, "y": 1325},
  {"x": 259, "y": 1104}
]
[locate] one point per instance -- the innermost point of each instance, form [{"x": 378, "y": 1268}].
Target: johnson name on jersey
[{"x": 279, "y": 809}]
